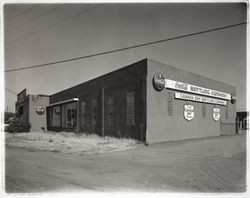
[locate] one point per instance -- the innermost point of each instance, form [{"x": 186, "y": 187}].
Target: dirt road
[{"x": 203, "y": 165}]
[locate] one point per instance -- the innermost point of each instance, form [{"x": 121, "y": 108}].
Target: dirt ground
[{"x": 215, "y": 164}]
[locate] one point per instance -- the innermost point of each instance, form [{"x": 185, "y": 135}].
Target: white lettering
[
  {"x": 171, "y": 84},
  {"x": 203, "y": 99}
]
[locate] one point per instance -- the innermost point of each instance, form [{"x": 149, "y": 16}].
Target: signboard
[
  {"x": 21, "y": 95},
  {"x": 188, "y": 112},
  {"x": 40, "y": 110},
  {"x": 197, "y": 98},
  {"x": 172, "y": 84},
  {"x": 159, "y": 82},
  {"x": 216, "y": 114}
]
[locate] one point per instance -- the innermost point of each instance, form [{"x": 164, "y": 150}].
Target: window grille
[
  {"x": 130, "y": 108},
  {"x": 83, "y": 113},
  {"x": 94, "y": 111},
  {"x": 203, "y": 110},
  {"x": 111, "y": 111},
  {"x": 226, "y": 112},
  {"x": 170, "y": 103},
  {"x": 69, "y": 115}
]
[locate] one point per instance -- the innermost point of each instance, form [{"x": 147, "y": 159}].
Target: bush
[
  {"x": 8, "y": 116},
  {"x": 18, "y": 125}
]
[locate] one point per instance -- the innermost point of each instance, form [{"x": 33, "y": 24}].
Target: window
[
  {"x": 130, "y": 108},
  {"x": 203, "y": 110},
  {"x": 94, "y": 111},
  {"x": 111, "y": 111},
  {"x": 226, "y": 112},
  {"x": 55, "y": 113},
  {"x": 83, "y": 113},
  {"x": 170, "y": 103},
  {"x": 69, "y": 115}
]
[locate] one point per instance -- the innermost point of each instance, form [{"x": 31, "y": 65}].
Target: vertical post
[
  {"x": 78, "y": 116},
  {"x": 103, "y": 112}
]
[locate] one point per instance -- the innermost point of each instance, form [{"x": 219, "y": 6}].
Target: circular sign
[
  {"x": 216, "y": 114},
  {"x": 159, "y": 82},
  {"x": 233, "y": 98},
  {"x": 40, "y": 110}
]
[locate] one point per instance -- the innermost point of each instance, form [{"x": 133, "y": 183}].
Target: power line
[
  {"x": 11, "y": 91},
  {"x": 54, "y": 24},
  {"x": 26, "y": 10},
  {"x": 28, "y": 21},
  {"x": 126, "y": 48}
]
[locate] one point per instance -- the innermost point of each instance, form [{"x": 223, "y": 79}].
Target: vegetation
[
  {"x": 8, "y": 116},
  {"x": 18, "y": 125}
]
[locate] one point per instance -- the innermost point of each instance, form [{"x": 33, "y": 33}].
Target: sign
[
  {"x": 233, "y": 98},
  {"x": 192, "y": 97},
  {"x": 172, "y": 84},
  {"x": 159, "y": 82},
  {"x": 40, "y": 110},
  {"x": 189, "y": 112},
  {"x": 216, "y": 114},
  {"x": 21, "y": 95}
]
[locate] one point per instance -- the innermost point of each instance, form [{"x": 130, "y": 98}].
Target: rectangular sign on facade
[
  {"x": 191, "y": 97},
  {"x": 172, "y": 84},
  {"x": 21, "y": 95}
]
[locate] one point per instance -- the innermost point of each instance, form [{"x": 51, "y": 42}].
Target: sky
[{"x": 41, "y": 33}]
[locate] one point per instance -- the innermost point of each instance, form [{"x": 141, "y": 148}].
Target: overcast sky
[{"x": 42, "y": 33}]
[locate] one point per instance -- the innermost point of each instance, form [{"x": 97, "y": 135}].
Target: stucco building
[
  {"x": 32, "y": 109},
  {"x": 148, "y": 101}
]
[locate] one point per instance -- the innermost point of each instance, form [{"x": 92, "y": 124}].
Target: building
[
  {"x": 32, "y": 109},
  {"x": 243, "y": 120},
  {"x": 148, "y": 101}
]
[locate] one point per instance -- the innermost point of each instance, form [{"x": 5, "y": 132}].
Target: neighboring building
[
  {"x": 32, "y": 108},
  {"x": 148, "y": 101},
  {"x": 243, "y": 120}
]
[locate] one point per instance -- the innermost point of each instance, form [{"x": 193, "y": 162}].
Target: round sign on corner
[
  {"x": 40, "y": 110},
  {"x": 233, "y": 98},
  {"x": 159, "y": 82}
]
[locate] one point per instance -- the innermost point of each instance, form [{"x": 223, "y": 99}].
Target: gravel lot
[{"x": 216, "y": 164}]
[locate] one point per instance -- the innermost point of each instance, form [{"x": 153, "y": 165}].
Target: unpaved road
[{"x": 202, "y": 165}]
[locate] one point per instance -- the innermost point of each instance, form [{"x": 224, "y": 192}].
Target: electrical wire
[
  {"x": 11, "y": 91},
  {"x": 35, "y": 18},
  {"x": 126, "y": 48},
  {"x": 54, "y": 24},
  {"x": 21, "y": 13}
]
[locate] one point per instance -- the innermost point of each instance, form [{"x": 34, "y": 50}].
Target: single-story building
[
  {"x": 32, "y": 108},
  {"x": 243, "y": 120},
  {"x": 148, "y": 101}
]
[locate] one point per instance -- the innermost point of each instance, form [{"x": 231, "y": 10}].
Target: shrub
[{"x": 18, "y": 125}]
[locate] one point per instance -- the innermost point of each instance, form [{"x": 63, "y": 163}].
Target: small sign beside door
[{"x": 188, "y": 112}]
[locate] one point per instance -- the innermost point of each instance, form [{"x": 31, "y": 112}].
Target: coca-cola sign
[
  {"x": 159, "y": 82},
  {"x": 40, "y": 110}
]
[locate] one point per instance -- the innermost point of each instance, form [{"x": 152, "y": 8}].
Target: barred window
[
  {"x": 55, "y": 113},
  {"x": 226, "y": 112},
  {"x": 130, "y": 108},
  {"x": 111, "y": 111},
  {"x": 83, "y": 113},
  {"x": 94, "y": 111},
  {"x": 170, "y": 103},
  {"x": 203, "y": 110},
  {"x": 69, "y": 114}
]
